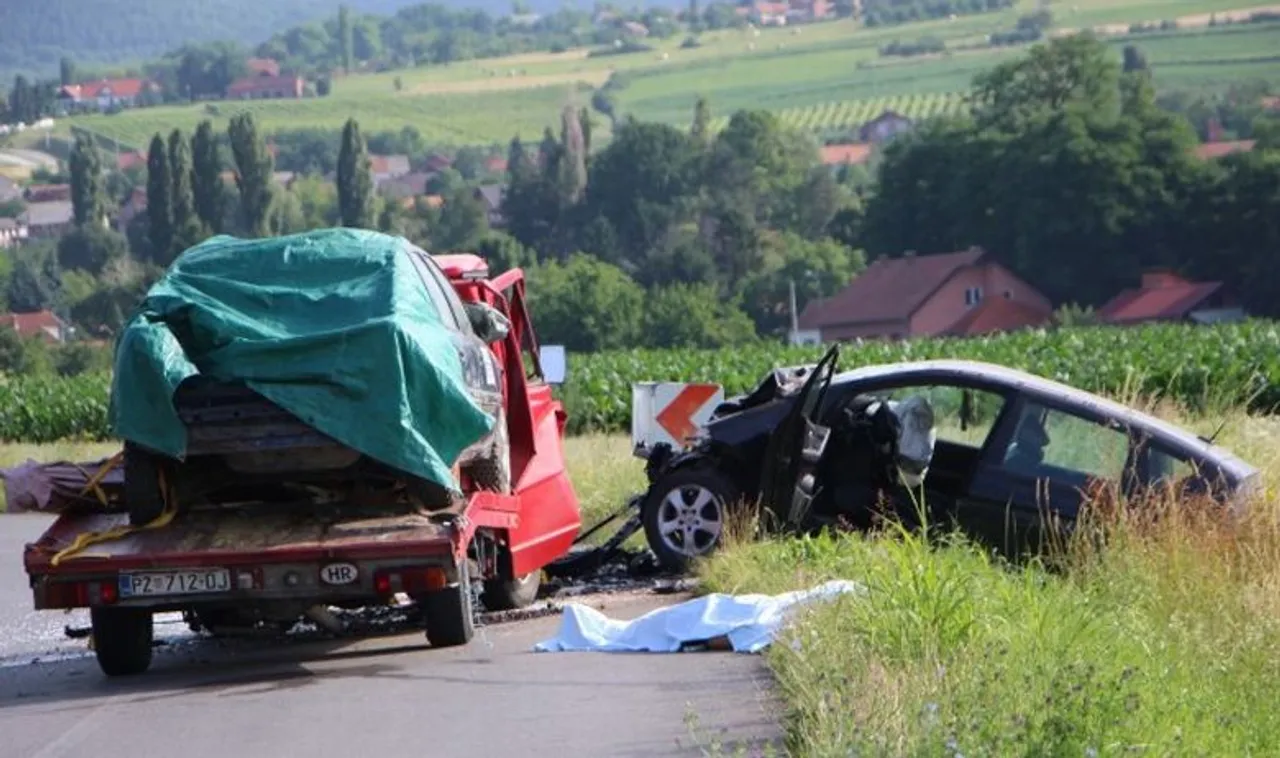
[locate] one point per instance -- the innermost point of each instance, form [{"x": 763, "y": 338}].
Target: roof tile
[
  {"x": 1211, "y": 150},
  {"x": 1167, "y": 302},
  {"x": 890, "y": 289},
  {"x": 857, "y": 153},
  {"x": 999, "y": 314}
]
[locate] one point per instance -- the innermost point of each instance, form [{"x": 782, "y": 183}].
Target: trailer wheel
[
  {"x": 509, "y": 594},
  {"x": 684, "y": 515},
  {"x": 122, "y": 640},
  {"x": 142, "y": 493},
  {"x": 449, "y": 613}
]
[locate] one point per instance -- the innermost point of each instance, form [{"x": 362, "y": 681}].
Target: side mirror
[
  {"x": 552, "y": 358},
  {"x": 488, "y": 322}
]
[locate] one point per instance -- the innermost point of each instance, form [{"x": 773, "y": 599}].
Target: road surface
[{"x": 380, "y": 697}]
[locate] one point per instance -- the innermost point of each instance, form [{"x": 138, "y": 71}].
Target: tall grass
[{"x": 1156, "y": 632}]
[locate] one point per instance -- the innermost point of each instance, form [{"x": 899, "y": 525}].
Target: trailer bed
[{"x": 232, "y": 537}]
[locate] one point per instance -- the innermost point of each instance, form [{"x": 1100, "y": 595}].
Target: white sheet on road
[{"x": 750, "y": 622}]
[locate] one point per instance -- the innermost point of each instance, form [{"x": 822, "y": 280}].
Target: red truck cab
[{"x": 226, "y": 566}]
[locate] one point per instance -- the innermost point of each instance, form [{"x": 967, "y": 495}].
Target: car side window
[
  {"x": 1165, "y": 468},
  {"x": 1048, "y": 442},
  {"x": 957, "y": 419},
  {"x": 439, "y": 296}
]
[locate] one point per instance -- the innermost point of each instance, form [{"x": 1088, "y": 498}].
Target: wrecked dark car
[{"x": 999, "y": 452}]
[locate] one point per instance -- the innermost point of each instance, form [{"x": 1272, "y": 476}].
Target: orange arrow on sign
[{"x": 677, "y": 417}]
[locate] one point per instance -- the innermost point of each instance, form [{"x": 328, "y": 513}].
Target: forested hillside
[{"x": 36, "y": 34}]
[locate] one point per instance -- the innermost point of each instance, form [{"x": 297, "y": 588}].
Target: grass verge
[{"x": 1165, "y": 643}]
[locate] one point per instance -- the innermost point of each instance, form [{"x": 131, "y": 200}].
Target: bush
[
  {"x": 1015, "y": 37},
  {"x": 620, "y": 48},
  {"x": 922, "y": 46}
]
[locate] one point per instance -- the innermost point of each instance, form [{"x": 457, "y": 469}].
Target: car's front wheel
[{"x": 684, "y": 514}]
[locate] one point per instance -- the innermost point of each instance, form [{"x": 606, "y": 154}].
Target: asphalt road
[{"x": 378, "y": 697}]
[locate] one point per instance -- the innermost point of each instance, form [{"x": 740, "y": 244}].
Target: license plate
[{"x": 187, "y": 582}]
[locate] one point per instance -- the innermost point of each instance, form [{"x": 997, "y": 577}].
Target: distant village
[{"x": 957, "y": 294}]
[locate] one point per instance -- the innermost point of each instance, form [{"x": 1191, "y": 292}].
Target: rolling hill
[{"x": 35, "y": 34}]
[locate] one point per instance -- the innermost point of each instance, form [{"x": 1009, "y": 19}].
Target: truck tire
[
  {"x": 691, "y": 501},
  {"x": 449, "y": 613},
  {"x": 510, "y": 594},
  {"x": 122, "y": 640},
  {"x": 142, "y": 494}
]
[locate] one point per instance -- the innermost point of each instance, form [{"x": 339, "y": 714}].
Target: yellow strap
[
  {"x": 95, "y": 481},
  {"x": 86, "y": 539}
]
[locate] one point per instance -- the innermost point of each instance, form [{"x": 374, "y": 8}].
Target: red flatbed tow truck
[{"x": 228, "y": 566}]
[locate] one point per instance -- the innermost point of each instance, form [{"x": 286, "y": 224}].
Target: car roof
[
  {"x": 460, "y": 265},
  {"x": 1047, "y": 389}
]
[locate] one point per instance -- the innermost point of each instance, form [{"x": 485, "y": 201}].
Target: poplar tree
[
  {"x": 355, "y": 183},
  {"x": 159, "y": 202}
]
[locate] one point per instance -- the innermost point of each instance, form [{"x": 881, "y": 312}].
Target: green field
[
  {"x": 826, "y": 74},
  {"x": 1192, "y": 365}
]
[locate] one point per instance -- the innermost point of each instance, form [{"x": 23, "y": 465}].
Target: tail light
[
  {"x": 410, "y": 580},
  {"x": 80, "y": 594}
]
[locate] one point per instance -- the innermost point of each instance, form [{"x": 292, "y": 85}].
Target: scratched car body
[{"x": 1000, "y": 452}]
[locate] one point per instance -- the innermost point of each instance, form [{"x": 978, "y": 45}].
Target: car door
[
  {"x": 966, "y": 417},
  {"x": 1043, "y": 464},
  {"x": 795, "y": 448}
]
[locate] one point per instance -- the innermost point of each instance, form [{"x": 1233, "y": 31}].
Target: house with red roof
[
  {"x": 437, "y": 162},
  {"x": 262, "y": 67},
  {"x": 765, "y": 13},
  {"x": 43, "y": 324},
  {"x": 496, "y": 165},
  {"x": 1165, "y": 296},
  {"x": 856, "y": 154},
  {"x": 106, "y": 93},
  {"x": 47, "y": 193},
  {"x": 951, "y": 294},
  {"x": 131, "y": 160},
  {"x": 811, "y": 10},
  {"x": 266, "y": 86},
  {"x": 1211, "y": 150}
]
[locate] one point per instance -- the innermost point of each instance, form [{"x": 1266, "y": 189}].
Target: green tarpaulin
[{"x": 333, "y": 325}]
